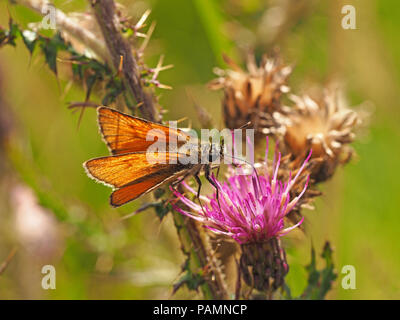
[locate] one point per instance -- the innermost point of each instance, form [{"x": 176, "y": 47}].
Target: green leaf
[
  {"x": 213, "y": 22},
  {"x": 13, "y": 32},
  {"x": 191, "y": 280},
  {"x": 114, "y": 89},
  {"x": 319, "y": 281},
  {"x": 50, "y": 48},
  {"x": 30, "y": 39},
  {"x": 162, "y": 209},
  {"x": 9, "y": 36}
]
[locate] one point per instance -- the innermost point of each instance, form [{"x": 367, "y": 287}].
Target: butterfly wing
[
  {"x": 124, "y": 133},
  {"x": 142, "y": 186},
  {"x": 134, "y": 174}
]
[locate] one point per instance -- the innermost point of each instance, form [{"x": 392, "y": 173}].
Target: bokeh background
[{"x": 53, "y": 214}]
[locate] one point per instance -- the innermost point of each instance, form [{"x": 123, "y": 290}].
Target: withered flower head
[
  {"x": 324, "y": 126},
  {"x": 254, "y": 94}
]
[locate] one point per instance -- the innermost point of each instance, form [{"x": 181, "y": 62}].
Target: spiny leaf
[
  {"x": 191, "y": 280},
  {"x": 320, "y": 282},
  {"x": 162, "y": 209},
  {"x": 50, "y": 48},
  {"x": 9, "y": 36},
  {"x": 30, "y": 39},
  {"x": 114, "y": 89}
]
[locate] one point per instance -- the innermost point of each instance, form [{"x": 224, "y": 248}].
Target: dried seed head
[
  {"x": 325, "y": 126},
  {"x": 254, "y": 94}
]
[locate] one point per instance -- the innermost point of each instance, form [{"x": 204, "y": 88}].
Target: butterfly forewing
[
  {"x": 136, "y": 173},
  {"x": 124, "y": 133}
]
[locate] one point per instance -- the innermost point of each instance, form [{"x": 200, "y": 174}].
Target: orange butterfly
[{"x": 128, "y": 170}]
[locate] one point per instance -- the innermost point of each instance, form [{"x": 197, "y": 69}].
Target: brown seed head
[
  {"x": 325, "y": 126},
  {"x": 252, "y": 95}
]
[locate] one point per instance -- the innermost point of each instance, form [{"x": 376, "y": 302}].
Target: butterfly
[{"x": 133, "y": 169}]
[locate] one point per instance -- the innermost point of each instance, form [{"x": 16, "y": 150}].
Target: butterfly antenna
[
  {"x": 245, "y": 125},
  {"x": 239, "y": 159}
]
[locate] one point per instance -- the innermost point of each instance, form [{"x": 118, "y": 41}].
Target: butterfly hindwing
[
  {"x": 120, "y": 170},
  {"x": 141, "y": 186},
  {"x": 142, "y": 172}
]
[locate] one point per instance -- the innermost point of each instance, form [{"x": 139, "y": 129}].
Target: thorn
[
  {"x": 66, "y": 89},
  {"x": 157, "y": 69},
  {"x": 140, "y": 35},
  {"x": 83, "y": 106},
  {"x": 148, "y": 36},
  {"x": 182, "y": 119},
  {"x": 80, "y": 118},
  {"x": 164, "y": 86},
  {"x": 121, "y": 64},
  {"x": 143, "y": 18}
]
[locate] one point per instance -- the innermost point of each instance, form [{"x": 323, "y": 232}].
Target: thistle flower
[
  {"x": 324, "y": 126},
  {"x": 288, "y": 167},
  {"x": 254, "y": 94},
  {"x": 251, "y": 210}
]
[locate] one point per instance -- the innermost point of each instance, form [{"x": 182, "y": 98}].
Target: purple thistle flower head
[{"x": 250, "y": 208}]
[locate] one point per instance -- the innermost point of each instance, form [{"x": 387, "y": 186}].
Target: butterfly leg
[
  {"x": 196, "y": 177},
  {"x": 218, "y": 171},
  {"x": 207, "y": 174}
]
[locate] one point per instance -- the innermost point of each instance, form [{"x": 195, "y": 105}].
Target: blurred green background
[{"x": 96, "y": 255}]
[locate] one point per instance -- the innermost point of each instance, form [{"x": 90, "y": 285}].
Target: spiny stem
[
  {"x": 104, "y": 11},
  {"x": 195, "y": 241},
  {"x": 188, "y": 230}
]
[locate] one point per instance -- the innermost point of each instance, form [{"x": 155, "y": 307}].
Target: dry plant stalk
[{"x": 7, "y": 261}]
